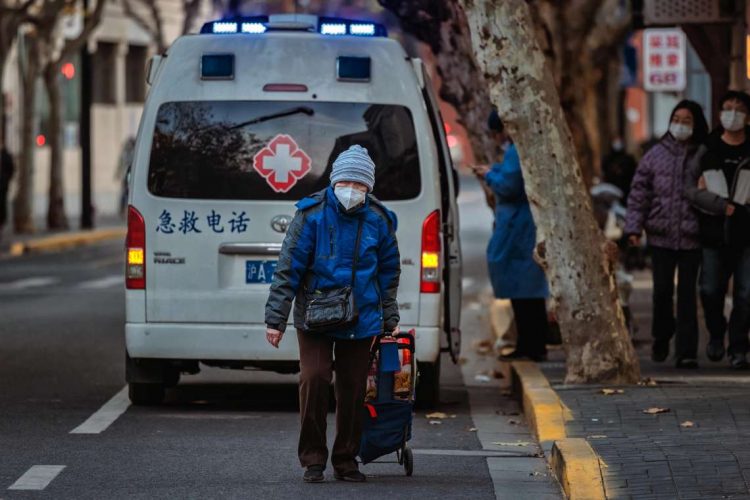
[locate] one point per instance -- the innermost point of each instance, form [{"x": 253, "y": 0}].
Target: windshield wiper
[{"x": 294, "y": 111}]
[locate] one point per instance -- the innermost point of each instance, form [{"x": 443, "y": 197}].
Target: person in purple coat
[{"x": 657, "y": 205}]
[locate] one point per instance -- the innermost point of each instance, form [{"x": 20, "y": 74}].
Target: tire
[
  {"x": 145, "y": 394},
  {"x": 428, "y": 385},
  {"x": 408, "y": 458}
]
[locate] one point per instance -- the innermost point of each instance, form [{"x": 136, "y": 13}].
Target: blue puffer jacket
[
  {"x": 318, "y": 252},
  {"x": 513, "y": 272}
]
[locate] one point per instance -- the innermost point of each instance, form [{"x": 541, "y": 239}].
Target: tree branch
[
  {"x": 190, "y": 9},
  {"x": 89, "y": 25},
  {"x": 154, "y": 30}
]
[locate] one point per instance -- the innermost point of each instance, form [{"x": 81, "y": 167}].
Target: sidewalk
[
  {"x": 699, "y": 448},
  {"x": 107, "y": 227}
]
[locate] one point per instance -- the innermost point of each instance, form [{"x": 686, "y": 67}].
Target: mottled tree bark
[
  {"x": 570, "y": 246},
  {"x": 569, "y": 33},
  {"x": 12, "y": 15},
  {"x": 46, "y": 23},
  {"x": 442, "y": 25},
  {"x": 29, "y": 69}
]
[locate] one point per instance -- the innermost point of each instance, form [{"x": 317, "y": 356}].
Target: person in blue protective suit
[
  {"x": 513, "y": 272},
  {"x": 318, "y": 255}
]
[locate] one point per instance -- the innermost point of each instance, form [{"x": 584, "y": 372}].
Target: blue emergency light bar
[{"x": 330, "y": 26}]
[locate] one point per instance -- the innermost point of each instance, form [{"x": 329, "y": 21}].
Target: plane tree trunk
[{"x": 578, "y": 263}]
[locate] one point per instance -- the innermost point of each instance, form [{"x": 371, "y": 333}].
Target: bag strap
[{"x": 356, "y": 252}]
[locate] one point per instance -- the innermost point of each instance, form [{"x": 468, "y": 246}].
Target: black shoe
[
  {"x": 659, "y": 350},
  {"x": 715, "y": 350},
  {"x": 519, "y": 356},
  {"x": 353, "y": 476},
  {"x": 738, "y": 362},
  {"x": 686, "y": 363},
  {"x": 314, "y": 474}
]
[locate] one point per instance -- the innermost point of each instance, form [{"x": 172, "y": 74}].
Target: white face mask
[
  {"x": 349, "y": 197},
  {"x": 732, "y": 120},
  {"x": 680, "y": 131}
]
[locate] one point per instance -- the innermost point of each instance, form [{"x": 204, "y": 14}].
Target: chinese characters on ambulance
[{"x": 190, "y": 223}]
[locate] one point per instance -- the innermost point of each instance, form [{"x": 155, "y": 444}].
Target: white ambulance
[{"x": 243, "y": 120}]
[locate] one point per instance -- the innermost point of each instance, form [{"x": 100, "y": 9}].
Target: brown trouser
[{"x": 316, "y": 371}]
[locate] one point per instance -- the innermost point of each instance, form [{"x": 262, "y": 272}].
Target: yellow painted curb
[
  {"x": 544, "y": 410},
  {"x": 575, "y": 464},
  {"x": 577, "y": 467},
  {"x": 65, "y": 240}
]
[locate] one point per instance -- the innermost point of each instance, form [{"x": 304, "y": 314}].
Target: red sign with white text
[{"x": 664, "y": 60}]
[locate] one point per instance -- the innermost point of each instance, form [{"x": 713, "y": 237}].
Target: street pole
[{"x": 87, "y": 216}]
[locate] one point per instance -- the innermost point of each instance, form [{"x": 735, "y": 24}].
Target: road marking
[
  {"x": 106, "y": 282},
  {"x": 37, "y": 477},
  {"x": 29, "y": 283},
  {"x": 106, "y": 415}
]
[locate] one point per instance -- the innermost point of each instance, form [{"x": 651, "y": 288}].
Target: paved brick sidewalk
[{"x": 654, "y": 456}]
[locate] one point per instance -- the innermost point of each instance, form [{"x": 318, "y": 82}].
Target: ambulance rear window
[{"x": 277, "y": 150}]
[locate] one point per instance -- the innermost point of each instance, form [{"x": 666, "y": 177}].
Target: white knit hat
[{"x": 354, "y": 165}]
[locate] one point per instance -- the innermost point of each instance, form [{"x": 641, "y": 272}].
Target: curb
[
  {"x": 577, "y": 468},
  {"x": 63, "y": 241},
  {"x": 575, "y": 464},
  {"x": 544, "y": 410}
]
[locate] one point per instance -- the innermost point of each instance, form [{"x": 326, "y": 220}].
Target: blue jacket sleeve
[
  {"x": 294, "y": 260},
  {"x": 389, "y": 272},
  {"x": 505, "y": 178}
]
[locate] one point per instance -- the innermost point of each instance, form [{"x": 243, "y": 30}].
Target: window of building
[
  {"x": 104, "y": 85},
  {"x": 135, "y": 74}
]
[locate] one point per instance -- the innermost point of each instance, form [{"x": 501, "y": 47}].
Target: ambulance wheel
[
  {"x": 428, "y": 385},
  {"x": 408, "y": 457},
  {"x": 145, "y": 394}
]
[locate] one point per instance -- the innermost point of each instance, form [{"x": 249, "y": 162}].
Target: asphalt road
[{"x": 220, "y": 434}]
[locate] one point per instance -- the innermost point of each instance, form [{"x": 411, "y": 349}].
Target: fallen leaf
[
  {"x": 435, "y": 422},
  {"x": 648, "y": 382},
  {"x": 473, "y": 429},
  {"x": 655, "y": 410},
  {"x": 687, "y": 423},
  {"x": 497, "y": 374},
  {"x": 517, "y": 443},
  {"x": 437, "y": 414},
  {"x": 610, "y": 392}
]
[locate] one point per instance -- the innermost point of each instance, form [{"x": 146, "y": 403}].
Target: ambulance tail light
[
  {"x": 430, "y": 279},
  {"x": 135, "y": 248}
]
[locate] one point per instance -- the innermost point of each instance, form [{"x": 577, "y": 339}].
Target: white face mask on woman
[
  {"x": 732, "y": 120},
  {"x": 349, "y": 197},
  {"x": 680, "y": 131}
]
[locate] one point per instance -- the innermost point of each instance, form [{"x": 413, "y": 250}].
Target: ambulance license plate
[{"x": 259, "y": 271}]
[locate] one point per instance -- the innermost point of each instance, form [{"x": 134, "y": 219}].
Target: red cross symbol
[{"x": 282, "y": 163}]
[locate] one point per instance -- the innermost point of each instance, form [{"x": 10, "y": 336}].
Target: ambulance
[{"x": 243, "y": 120}]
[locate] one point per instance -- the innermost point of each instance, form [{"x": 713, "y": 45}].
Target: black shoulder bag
[{"x": 334, "y": 309}]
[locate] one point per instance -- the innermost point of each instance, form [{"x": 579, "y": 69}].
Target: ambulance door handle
[{"x": 250, "y": 249}]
